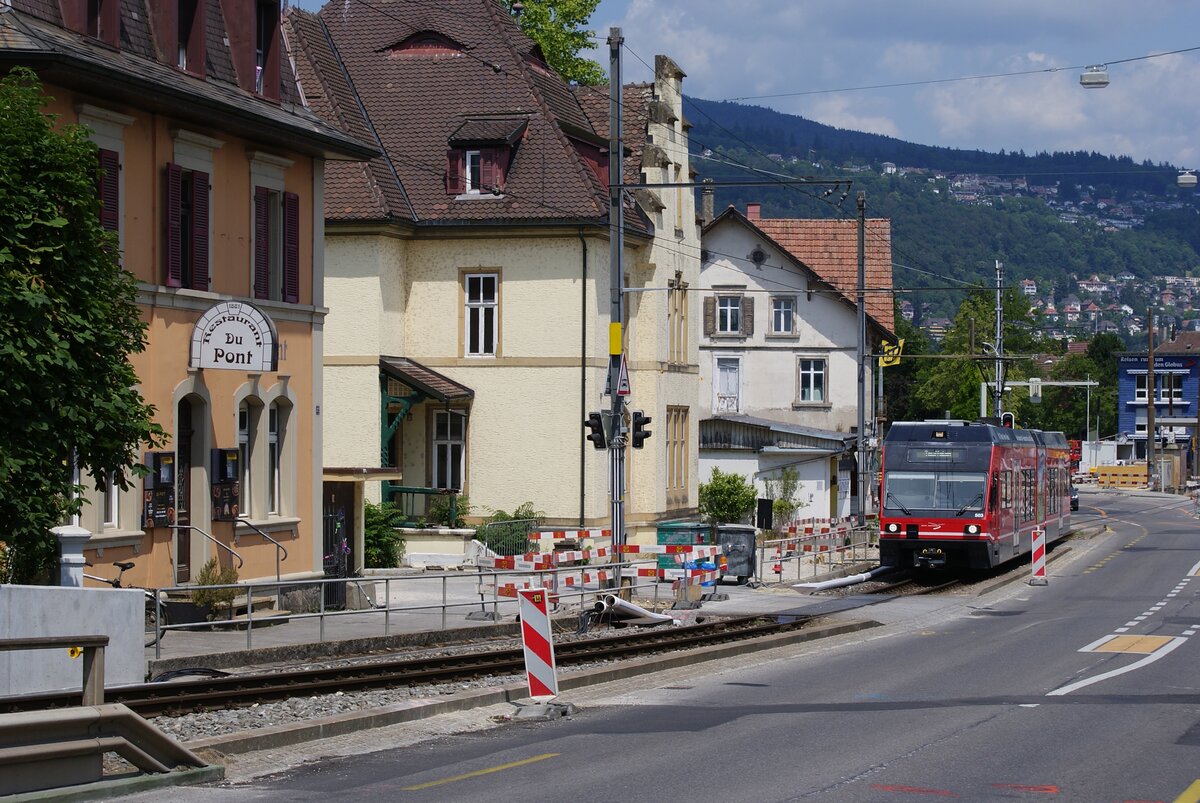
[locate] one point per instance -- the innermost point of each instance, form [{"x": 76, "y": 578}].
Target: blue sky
[{"x": 753, "y": 48}]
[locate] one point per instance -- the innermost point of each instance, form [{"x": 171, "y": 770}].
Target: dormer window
[
  {"x": 266, "y": 52},
  {"x": 189, "y": 37},
  {"x": 425, "y": 44},
  {"x": 99, "y": 19},
  {"x": 481, "y": 152}
]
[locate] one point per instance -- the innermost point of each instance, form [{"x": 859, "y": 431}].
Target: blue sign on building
[{"x": 1176, "y": 397}]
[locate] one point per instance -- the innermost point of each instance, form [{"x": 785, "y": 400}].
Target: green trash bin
[{"x": 691, "y": 533}]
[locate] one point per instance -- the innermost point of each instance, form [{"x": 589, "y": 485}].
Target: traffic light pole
[{"x": 616, "y": 247}]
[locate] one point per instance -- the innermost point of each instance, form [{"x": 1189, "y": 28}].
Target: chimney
[
  {"x": 753, "y": 210},
  {"x": 706, "y": 202}
]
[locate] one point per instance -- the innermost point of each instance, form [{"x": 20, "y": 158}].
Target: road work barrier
[{"x": 809, "y": 545}]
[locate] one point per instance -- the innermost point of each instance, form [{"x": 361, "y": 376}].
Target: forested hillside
[{"x": 938, "y": 240}]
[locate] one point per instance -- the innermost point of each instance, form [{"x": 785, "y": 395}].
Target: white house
[{"x": 779, "y": 348}]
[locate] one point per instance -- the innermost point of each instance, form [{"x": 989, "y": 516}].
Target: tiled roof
[
  {"x": 31, "y": 34},
  {"x": 426, "y": 380},
  {"x": 416, "y": 101},
  {"x": 830, "y": 249}
]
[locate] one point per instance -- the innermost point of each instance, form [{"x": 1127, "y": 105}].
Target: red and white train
[{"x": 965, "y": 495}]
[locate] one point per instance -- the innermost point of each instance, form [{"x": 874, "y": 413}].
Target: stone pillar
[
  {"x": 706, "y": 201},
  {"x": 70, "y": 565}
]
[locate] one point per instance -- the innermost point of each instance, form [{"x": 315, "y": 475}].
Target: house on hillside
[
  {"x": 1029, "y": 287},
  {"x": 213, "y": 177},
  {"x": 468, "y": 269},
  {"x": 778, "y": 348}
]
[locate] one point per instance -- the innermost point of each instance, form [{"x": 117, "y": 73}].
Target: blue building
[{"x": 1176, "y": 395}]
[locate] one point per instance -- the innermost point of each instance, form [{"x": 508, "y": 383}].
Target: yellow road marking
[
  {"x": 498, "y": 768},
  {"x": 1143, "y": 645},
  {"x": 1190, "y": 795}
]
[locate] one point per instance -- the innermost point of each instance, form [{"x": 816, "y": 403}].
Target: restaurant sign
[{"x": 234, "y": 335}]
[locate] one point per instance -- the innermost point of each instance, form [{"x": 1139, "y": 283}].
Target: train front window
[{"x": 959, "y": 492}]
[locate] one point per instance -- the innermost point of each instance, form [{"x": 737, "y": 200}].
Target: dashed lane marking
[
  {"x": 498, "y": 768},
  {"x": 913, "y": 790}
]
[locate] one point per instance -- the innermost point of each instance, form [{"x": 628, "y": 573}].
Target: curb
[
  {"x": 340, "y": 724},
  {"x": 119, "y": 787}
]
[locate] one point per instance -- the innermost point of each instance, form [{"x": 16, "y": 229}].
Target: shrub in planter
[{"x": 214, "y": 574}]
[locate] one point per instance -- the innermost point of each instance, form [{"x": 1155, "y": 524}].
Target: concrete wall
[{"x": 32, "y": 611}]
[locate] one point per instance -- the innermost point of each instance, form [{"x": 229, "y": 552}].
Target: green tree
[
  {"x": 382, "y": 543},
  {"x": 69, "y": 321},
  {"x": 559, "y": 28},
  {"x": 726, "y": 498},
  {"x": 781, "y": 490}
]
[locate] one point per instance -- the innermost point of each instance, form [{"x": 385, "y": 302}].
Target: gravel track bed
[{"x": 207, "y": 724}]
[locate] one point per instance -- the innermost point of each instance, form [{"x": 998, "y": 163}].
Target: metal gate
[{"x": 336, "y": 553}]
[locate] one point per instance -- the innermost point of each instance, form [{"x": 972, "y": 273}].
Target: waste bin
[
  {"x": 691, "y": 533},
  {"x": 737, "y": 543}
]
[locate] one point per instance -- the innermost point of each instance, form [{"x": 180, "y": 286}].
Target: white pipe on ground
[
  {"x": 629, "y": 613},
  {"x": 844, "y": 581}
]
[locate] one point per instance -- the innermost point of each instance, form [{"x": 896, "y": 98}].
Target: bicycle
[{"x": 152, "y": 633}]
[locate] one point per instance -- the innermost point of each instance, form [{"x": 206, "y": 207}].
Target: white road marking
[{"x": 1149, "y": 659}]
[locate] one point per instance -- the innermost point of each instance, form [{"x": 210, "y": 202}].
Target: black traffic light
[
  {"x": 1008, "y": 420},
  {"x": 638, "y": 432},
  {"x": 595, "y": 425}
]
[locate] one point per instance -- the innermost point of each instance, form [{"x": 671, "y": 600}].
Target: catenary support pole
[
  {"x": 1151, "y": 398},
  {"x": 861, "y": 456},
  {"x": 998, "y": 393}
]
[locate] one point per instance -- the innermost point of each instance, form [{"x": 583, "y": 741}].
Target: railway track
[{"x": 194, "y": 695}]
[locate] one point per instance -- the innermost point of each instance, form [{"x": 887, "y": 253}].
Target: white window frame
[
  {"x": 776, "y": 311},
  {"x": 728, "y": 315},
  {"x": 1139, "y": 387},
  {"x": 476, "y": 315},
  {"x": 449, "y": 444},
  {"x": 111, "y": 504},
  {"x": 472, "y": 171},
  {"x": 721, "y": 402},
  {"x": 276, "y": 424},
  {"x": 802, "y": 373},
  {"x": 108, "y": 132}
]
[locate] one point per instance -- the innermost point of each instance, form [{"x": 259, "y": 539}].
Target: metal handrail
[
  {"x": 278, "y": 546},
  {"x": 228, "y": 549}
]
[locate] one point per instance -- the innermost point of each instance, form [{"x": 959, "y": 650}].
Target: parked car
[{"x": 1074, "y": 498}]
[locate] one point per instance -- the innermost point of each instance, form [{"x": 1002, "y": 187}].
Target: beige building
[{"x": 467, "y": 271}]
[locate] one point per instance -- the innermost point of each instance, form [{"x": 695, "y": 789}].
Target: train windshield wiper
[
  {"x": 963, "y": 509},
  {"x": 893, "y": 498}
]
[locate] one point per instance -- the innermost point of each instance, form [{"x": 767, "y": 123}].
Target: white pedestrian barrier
[{"x": 1039, "y": 558}]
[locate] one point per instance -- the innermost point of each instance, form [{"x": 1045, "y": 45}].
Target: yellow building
[{"x": 214, "y": 184}]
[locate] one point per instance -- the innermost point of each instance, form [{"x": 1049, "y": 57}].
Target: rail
[
  {"x": 93, "y": 658},
  {"x": 225, "y": 547},
  {"x": 278, "y": 546}
]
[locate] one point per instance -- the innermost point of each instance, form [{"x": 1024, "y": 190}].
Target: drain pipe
[
  {"x": 839, "y": 582},
  {"x": 629, "y": 613}
]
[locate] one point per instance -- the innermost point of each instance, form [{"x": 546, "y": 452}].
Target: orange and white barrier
[
  {"x": 1039, "y": 558},
  {"x": 696, "y": 577},
  {"x": 538, "y": 643}
]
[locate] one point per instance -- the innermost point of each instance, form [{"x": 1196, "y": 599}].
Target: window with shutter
[
  {"x": 110, "y": 190},
  {"x": 291, "y": 247},
  {"x": 477, "y": 171},
  {"x": 186, "y": 228},
  {"x": 262, "y": 243}
]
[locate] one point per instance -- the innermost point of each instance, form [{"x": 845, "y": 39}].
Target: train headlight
[
  {"x": 971, "y": 529},
  {"x": 893, "y": 527}
]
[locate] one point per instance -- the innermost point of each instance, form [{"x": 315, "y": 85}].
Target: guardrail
[
  {"x": 278, "y": 546},
  {"x": 93, "y": 658}
]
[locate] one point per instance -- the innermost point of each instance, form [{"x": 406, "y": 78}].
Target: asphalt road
[{"x": 1085, "y": 689}]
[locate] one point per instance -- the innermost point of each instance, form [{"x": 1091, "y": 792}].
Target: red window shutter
[
  {"x": 199, "y": 230},
  {"x": 291, "y": 247},
  {"x": 488, "y": 172},
  {"x": 173, "y": 204},
  {"x": 454, "y": 172},
  {"x": 110, "y": 188},
  {"x": 262, "y": 243}
]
